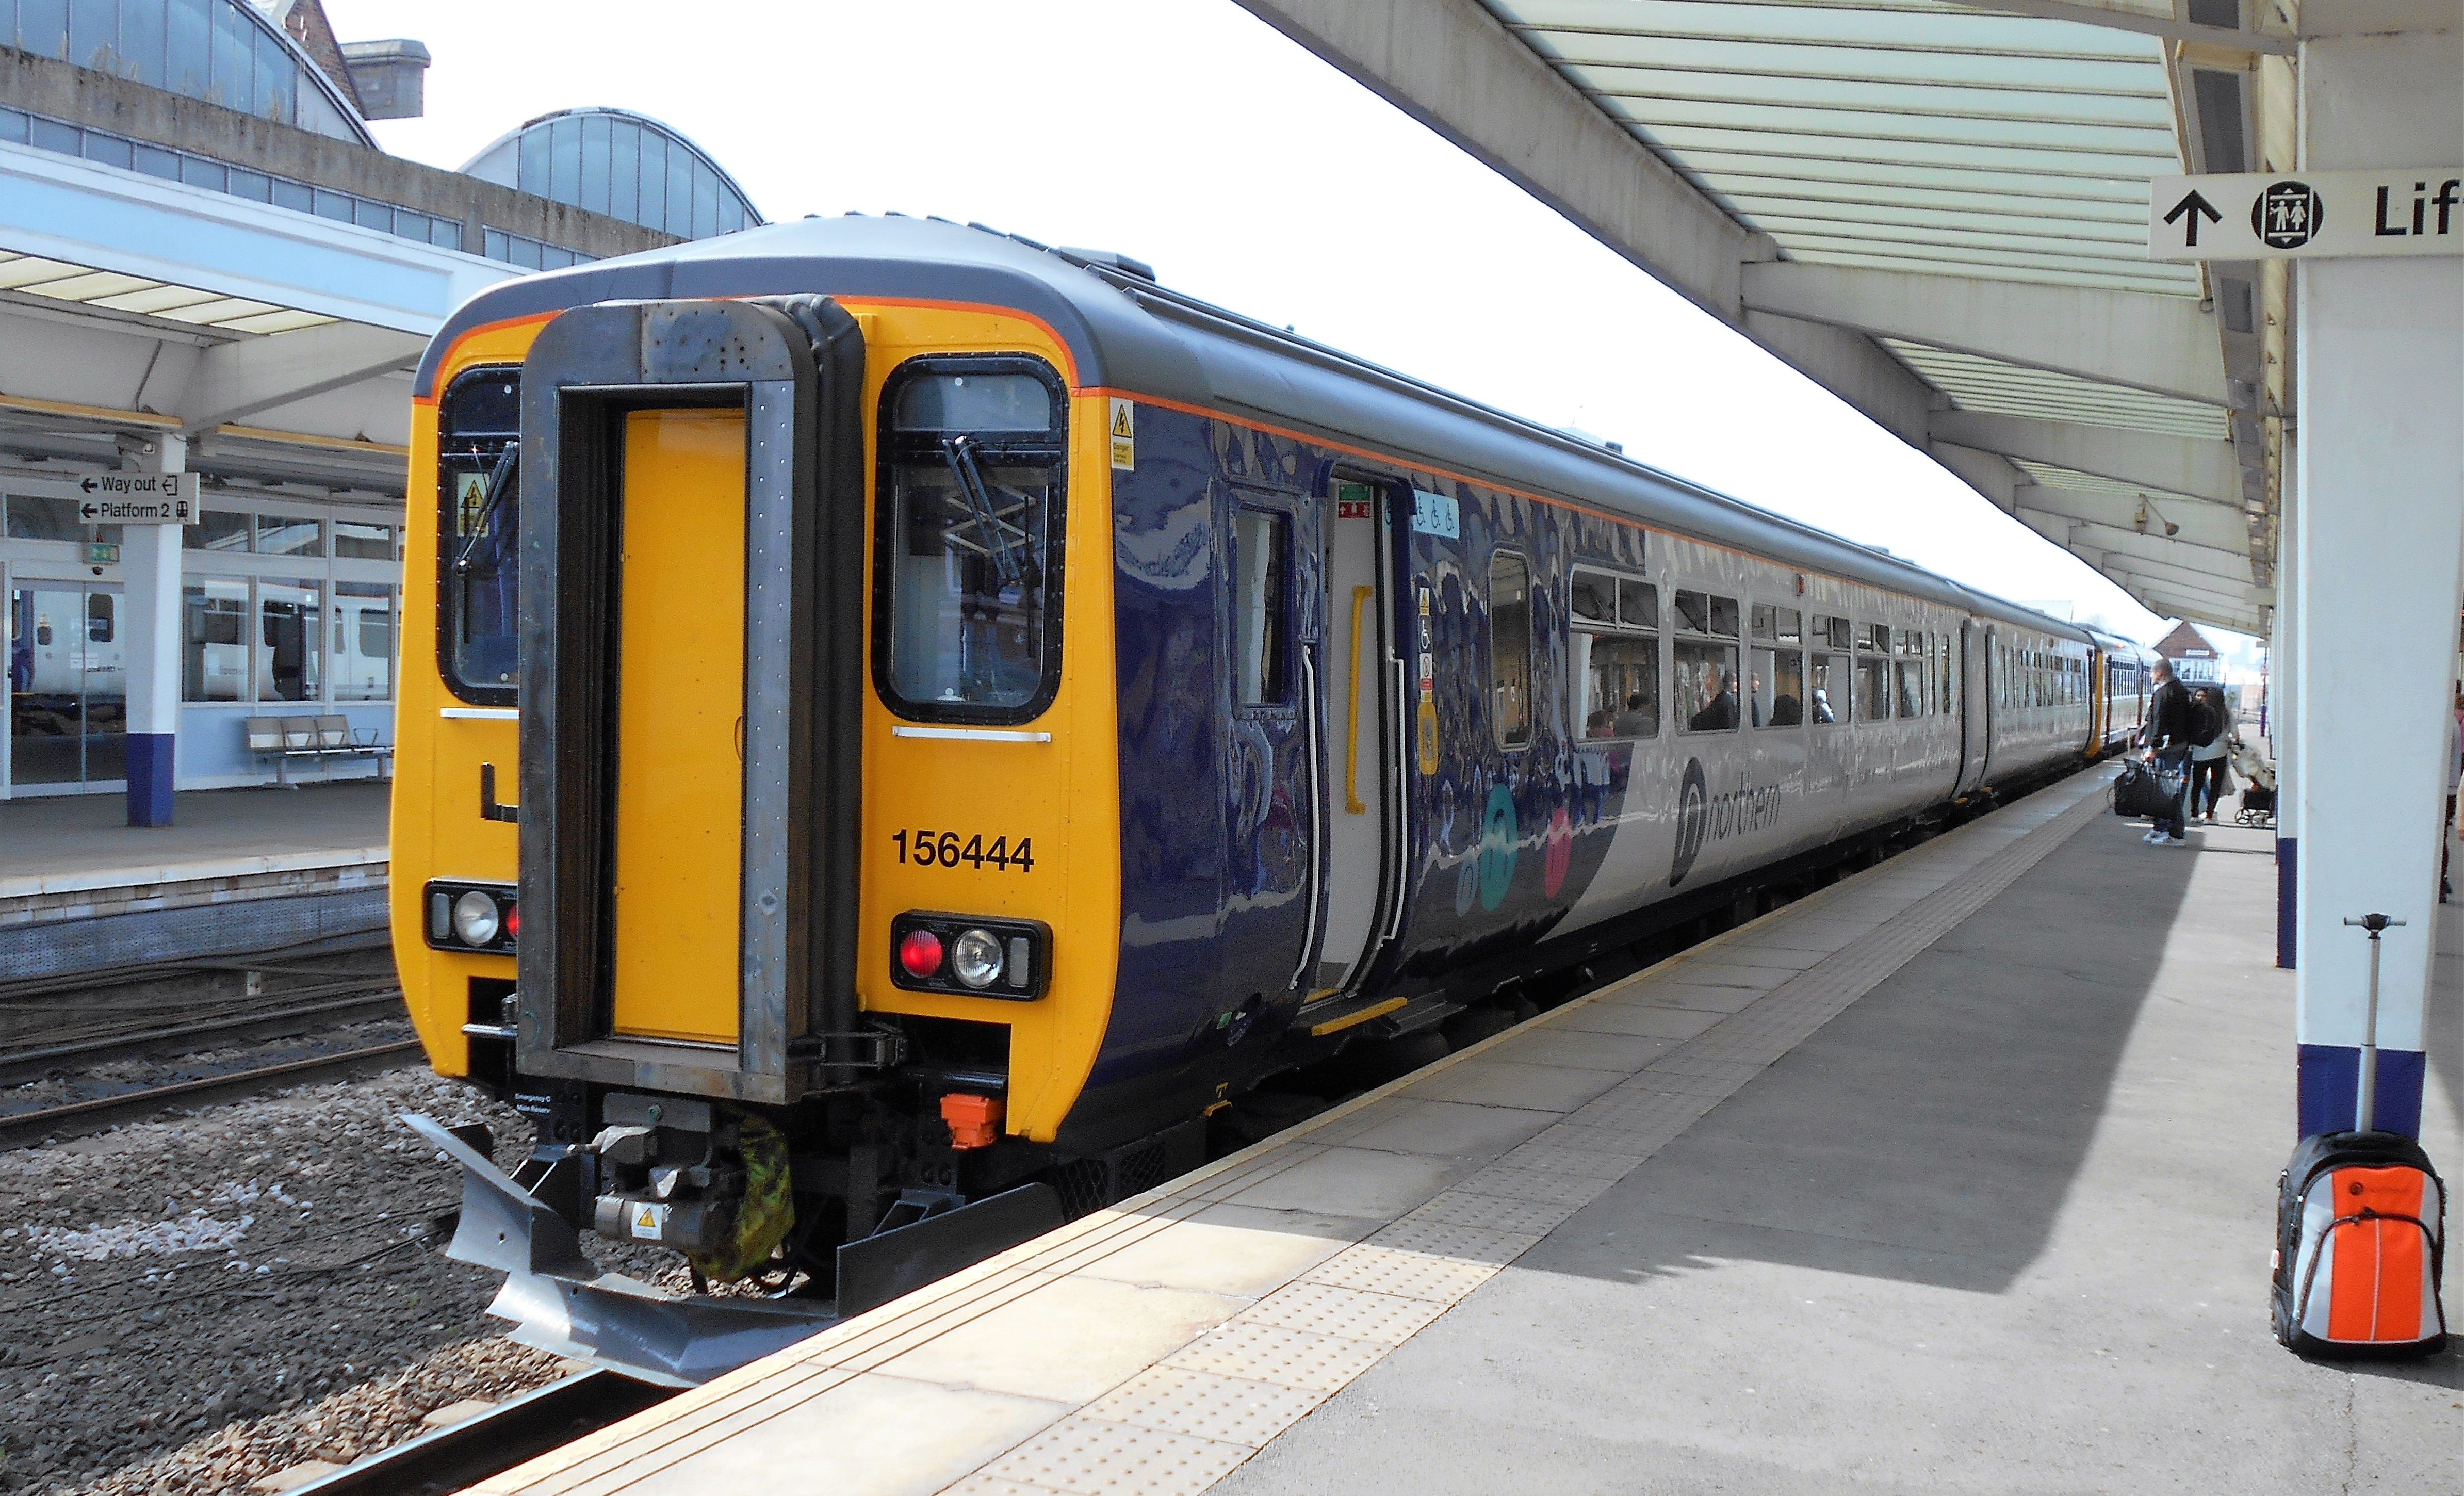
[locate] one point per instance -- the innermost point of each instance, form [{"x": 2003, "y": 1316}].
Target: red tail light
[{"x": 920, "y": 953}]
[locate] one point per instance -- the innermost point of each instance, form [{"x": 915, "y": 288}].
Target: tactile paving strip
[{"x": 1182, "y": 1424}]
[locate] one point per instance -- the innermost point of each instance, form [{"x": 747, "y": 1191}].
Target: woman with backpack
[{"x": 2213, "y": 740}]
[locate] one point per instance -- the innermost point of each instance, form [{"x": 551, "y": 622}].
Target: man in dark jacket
[{"x": 2171, "y": 722}]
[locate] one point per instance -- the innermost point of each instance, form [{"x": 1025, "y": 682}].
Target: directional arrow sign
[
  {"x": 2254, "y": 216},
  {"x": 138, "y": 498}
]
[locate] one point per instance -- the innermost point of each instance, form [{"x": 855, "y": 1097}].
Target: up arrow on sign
[
  {"x": 2311, "y": 214},
  {"x": 2194, "y": 208}
]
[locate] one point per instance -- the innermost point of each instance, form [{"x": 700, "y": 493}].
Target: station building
[{"x": 209, "y": 267}]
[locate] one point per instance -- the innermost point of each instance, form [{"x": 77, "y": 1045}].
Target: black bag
[
  {"x": 2360, "y": 1248},
  {"x": 2147, "y": 789}
]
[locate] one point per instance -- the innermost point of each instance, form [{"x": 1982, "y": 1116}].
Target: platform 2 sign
[
  {"x": 2311, "y": 214},
  {"x": 138, "y": 498}
]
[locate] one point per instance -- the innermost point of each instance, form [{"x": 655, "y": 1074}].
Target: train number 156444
[{"x": 950, "y": 849}]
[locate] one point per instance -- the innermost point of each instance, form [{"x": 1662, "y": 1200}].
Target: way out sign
[
  {"x": 138, "y": 498},
  {"x": 2252, "y": 216}
]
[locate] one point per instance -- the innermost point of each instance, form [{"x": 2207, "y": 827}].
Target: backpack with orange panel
[{"x": 2361, "y": 1229}]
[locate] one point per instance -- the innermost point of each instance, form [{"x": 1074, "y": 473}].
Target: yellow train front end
[{"x": 756, "y": 821}]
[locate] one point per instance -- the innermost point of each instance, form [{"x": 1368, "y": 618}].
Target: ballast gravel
[{"x": 191, "y": 1304}]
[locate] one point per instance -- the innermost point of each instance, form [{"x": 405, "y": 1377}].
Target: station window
[
  {"x": 1260, "y": 559},
  {"x": 973, "y": 477},
  {"x": 479, "y": 498},
  {"x": 1705, "y": 687},
  {"x": 1615, "y": 649},
  {"x": 1510, "y": 648},
  {"x": 1777, "y": 689},
  {"x": 1873, "y": 669},
  {"x": 214, "y": 652}
]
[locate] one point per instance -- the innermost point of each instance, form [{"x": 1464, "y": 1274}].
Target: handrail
[
  {"x": 1316, "y": 832},
  {"x": 1351, "y": 800}
]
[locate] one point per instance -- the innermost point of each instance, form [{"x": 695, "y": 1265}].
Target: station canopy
[{"x": 1936, "y": 210}]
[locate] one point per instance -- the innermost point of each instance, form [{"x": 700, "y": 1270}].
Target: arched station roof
[
  {"x": 625, "y": 165},
  {"x": 221, "y": 52}
]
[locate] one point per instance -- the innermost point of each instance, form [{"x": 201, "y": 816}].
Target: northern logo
[{"x": 1693, "y": 819}]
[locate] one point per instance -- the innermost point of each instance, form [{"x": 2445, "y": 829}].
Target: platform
[
  {"x": 238, "y": 870},
  {"x": 1956, "y": 1176}
]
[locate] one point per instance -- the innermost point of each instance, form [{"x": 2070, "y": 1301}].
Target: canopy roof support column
[{"x": 2379, "y": 533}]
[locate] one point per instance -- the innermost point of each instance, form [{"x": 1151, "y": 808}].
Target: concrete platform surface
[
  {"x": 80, "y": 842},
  {"x": 1953, "y": 1178}
]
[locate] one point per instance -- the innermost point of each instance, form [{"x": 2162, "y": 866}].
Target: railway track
[
  {"x": 69, "y": 1120},
  {"x": 327, "y": 1005},
  {"x": 518, "y": 1429}
]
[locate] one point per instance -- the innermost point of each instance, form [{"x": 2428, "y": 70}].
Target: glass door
[{"x": 68, "y": 701}]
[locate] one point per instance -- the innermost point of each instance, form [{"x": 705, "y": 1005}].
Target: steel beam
[
  {"x": 2170, "y": 465},
  {"x": 2162, "y": 344},
  {"x": 238, "y": 379},
  {"x": 2207, "y": 525}
]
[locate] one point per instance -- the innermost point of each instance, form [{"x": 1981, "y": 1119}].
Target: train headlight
[
  {"x": 920, "y": 953},
  {"x": 475, "y": 918},
  {"x": 976, "y": 957}
]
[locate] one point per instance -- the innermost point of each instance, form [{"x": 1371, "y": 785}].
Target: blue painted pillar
[
  {"x": 150, "y": 571},
  {"x": 2377, "y": 534}
]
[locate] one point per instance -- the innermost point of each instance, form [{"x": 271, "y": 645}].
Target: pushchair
[{"x": 2257, "y": 772}]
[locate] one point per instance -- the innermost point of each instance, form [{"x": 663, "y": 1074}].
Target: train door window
[
  {"x": 1705, "y": 687},
  {"x": 99, "y": 619},
  {"x": 1261, "y": 582},
  {"x": 1873, "y": 669},
  {"x": 968, "y": 579},
  {"x": 1615, "y": 649},
  {"x": 1510, "y": 648},
  {"x": 1944, "y": 649}
]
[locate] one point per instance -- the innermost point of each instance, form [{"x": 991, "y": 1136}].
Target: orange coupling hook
[{"x": 975, "y": 1121}]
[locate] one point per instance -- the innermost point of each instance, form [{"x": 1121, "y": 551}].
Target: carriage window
[
  {"x": 362, "y": 665},
  {"x": 1616, "y": 669},
  {"x": 1778, "y": 691},
  {"x": 478, "y": 427},
  {"x": 1638, "y": 605},
  {"x": 1942, "y": 642},
  {"x": 1873, "y": 669},
  {"x": 98, "y": 618},
  {"x": 1705, "y": 687},
  {"x": 1510, "y": 648},
  {"x": 1826, "y": 685},
  {"x": 1594, "y": 598},
  {"x": 972, "y": 482},
  {"x": 1260, "y": 559}
]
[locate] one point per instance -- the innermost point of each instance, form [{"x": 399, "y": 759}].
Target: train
[{"x": 931, "y": 734}]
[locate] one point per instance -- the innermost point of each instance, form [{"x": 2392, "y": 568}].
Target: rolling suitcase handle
[{"x": 2365, "y": 1109}]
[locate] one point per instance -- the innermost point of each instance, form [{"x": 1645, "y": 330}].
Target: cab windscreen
[{"x": 968, "y": 574}]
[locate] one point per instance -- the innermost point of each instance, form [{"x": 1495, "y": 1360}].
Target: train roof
[{"x": 1127, "y": 333}]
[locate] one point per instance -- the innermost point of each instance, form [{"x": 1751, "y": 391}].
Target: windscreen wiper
[
  {"x": 959, "y": 452},
  {"x": 501, "y": 483}
]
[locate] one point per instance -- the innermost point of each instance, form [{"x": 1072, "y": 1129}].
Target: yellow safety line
[
  {"x": 1351, "y": 800},
  {"x": 1336, "y": 1026}
]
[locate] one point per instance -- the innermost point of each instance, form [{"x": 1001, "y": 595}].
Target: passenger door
[
  {"x": 1359, "y": 686},
  {"x": 1975, "y": 706},
  {"x": 1274, "y": 753}
]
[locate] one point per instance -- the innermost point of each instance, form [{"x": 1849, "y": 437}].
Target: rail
[{"x": 489, "y": 1443}]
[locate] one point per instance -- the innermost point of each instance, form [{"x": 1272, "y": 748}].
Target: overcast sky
[{"x": 1190, "y": 135}]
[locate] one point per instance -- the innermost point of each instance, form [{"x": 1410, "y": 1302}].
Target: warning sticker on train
[
  {"x": 648, "y": 1220},
  {"x": 1125, "y": 434},
  {"x": 2316, "y": 214},
  {"x": 138, "y": 498}
]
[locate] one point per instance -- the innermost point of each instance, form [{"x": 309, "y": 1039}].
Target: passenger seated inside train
[
  {"x": 1640, "y": 717},
  {"x": 1787, "y": 712},
  {"x": 1822, "y": 707},
  {"x": 1718, "y": 692},
  {"x": 1601, "y": 723}
]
